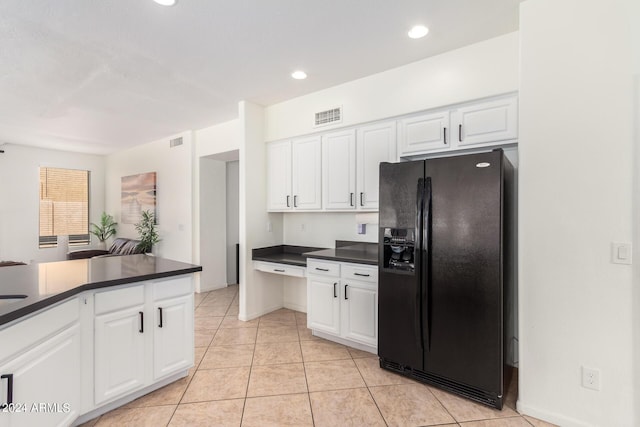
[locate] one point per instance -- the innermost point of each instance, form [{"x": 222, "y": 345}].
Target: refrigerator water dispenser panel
[{"x": 399, "y": 250}]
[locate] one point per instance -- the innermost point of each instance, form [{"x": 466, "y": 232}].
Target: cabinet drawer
[
  {"x": 31, "y": 331},
  {"x": 275, "y": 268},
  {"x": 323, "y": 268},
  {"x": 360, "y": 273},
  {"x": 119, "y": 299},
  {"x": 172, "y": 287}
]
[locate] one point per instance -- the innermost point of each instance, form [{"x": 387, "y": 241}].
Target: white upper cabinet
[
  {"x": 487, "y": 122},
  {"x": 375, "y": 144},
  {"x": 279, "y": 176},
  {"x": 294, "y": 175},
  {"x": 307, "y": 173},
  {"x": 424, "y": 132},
  {"x": 339, "y": 170}
]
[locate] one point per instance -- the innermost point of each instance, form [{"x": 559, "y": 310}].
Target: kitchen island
[{"x": 79, "y": 338}]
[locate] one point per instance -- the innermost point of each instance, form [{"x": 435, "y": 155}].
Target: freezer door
[
  {"x": 463, "y": 284},
  {"x": 399, "y": 276}
]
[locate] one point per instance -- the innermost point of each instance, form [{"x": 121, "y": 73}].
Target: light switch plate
[{"x": 621, "y": 253}]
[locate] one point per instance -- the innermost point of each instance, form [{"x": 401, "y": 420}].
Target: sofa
[{"x": 120, "y": 246}]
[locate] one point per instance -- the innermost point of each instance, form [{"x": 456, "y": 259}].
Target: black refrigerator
[{"x": 442, "y": 266}]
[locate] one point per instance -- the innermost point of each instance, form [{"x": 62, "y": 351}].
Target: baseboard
[
  {"x": 255, "y": 315},
  {"x": 128, "y": 398},
  {"x": 213, "y": 288},
  {"x": 548, "y": 416},
  {"x": 296, "y": 307},
  {"x": 348, "y": 343}
]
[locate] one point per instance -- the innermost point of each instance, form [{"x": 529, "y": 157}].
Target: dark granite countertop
[
  {"x": 345, "y": 251},
  {"x": 47, "y": 283},
  {"x": 283, "y": 254}
]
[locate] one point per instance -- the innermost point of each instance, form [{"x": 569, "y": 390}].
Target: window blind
[{"x": 64, "y": 206}]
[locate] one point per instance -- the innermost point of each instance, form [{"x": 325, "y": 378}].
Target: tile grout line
[
  {"x": 368, "y": 390},
  {"x": 306, "y": 380},
  {"x": 246, "y": 392}
]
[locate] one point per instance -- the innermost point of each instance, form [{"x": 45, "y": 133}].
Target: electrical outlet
[
  {"x": 269, "y": 227},
  {"x": 302, "y": 227},
  {"x": 591, "y": 378},
  {"x": 621, "y": 253}
]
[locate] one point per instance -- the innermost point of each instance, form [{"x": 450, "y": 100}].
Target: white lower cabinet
[
  {"x": 118, "y": 340},
  {"x": 40, "y": 384},
  {"x": 138, "y": 327},
  {"x": 323, "y": 309},
  {"x": 119, "y": 353},
  {"x": 360, "y": 312},
  {"x": 172, "y": 347},
  {"x": 343, "y": 301}
]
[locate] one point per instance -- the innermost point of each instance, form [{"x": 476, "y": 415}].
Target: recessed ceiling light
[
  {"x": 165, "y": 2},
  {"x": 299, "y": 75},
  {"x": 418, "y": 32}
]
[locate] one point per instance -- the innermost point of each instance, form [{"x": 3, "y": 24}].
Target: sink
[{"x": 8, "y": 299}]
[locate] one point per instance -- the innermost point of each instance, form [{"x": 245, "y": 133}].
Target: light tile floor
[{"x": 272, "y": 372}]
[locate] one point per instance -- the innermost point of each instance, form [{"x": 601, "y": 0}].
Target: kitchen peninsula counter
[
  {"x": 104, "y": 330},
  {"x": 48, "y": 283}
]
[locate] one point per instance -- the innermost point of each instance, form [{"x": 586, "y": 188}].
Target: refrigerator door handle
[
  {"x": 418, "y": 247},
  {"x": 426, "y": 261}
]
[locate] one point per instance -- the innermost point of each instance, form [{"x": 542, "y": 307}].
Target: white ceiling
[{"x": 101, "y": 75}]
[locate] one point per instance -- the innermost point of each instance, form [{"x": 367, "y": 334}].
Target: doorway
[{"x": 219, "y": 224}]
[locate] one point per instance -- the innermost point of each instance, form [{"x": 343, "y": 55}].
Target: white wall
[
  {"x": 175, "y": 195},
  {"x": 576, "y": 197},
  {"x": 213, "y": 224},
  {"x": 259, "y": 292},
  {"x": 218, "y": 138},
  {"x": 233, "y": 207},
  {"x": 19, "y": 196},
  {"x": 322, "y": 229},
  {"x": 475, "y": 71}
]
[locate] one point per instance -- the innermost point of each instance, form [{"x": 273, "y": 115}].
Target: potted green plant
[
  {"x": 146, "y": 229},
  {"x": 105, "y": 229}
]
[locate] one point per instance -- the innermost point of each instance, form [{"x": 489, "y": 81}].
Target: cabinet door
[
  {"x": 307, "y": 173},
  {"x": 375, "y": 144},
  {"x": 423, "y": 133},
  {"x": 323, "y": 304},
  {"x": 172, "y": 336},
  {"x": 489, "y": 121},
  {"x": 339, "y": 170},
  {"x": 279, "y": 176},
  {"x": 119, "y": 352},
  {"x": 360, "y": 312},
  {"x": 46, "y": 383}
]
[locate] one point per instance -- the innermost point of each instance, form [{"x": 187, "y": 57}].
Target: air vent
[
  {"x": 327, "y": 117},
  {"x": 175, "y": 142}
]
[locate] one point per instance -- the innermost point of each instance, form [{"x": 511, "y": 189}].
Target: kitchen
[{"x": 564, "y": 238}]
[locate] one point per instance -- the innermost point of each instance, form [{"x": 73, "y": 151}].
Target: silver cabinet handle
[
  {"x": 360, "y": 274},
  {"x": 278, "y": 270},
  {"x": 322, "y": 269}
]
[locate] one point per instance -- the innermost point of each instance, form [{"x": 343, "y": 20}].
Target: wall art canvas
[{"x": 138, "y": 194}]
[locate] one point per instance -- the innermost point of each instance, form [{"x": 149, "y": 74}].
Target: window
[{"x": 64, "y": 206}]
